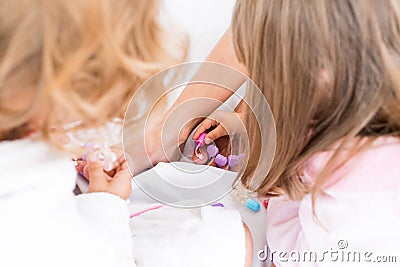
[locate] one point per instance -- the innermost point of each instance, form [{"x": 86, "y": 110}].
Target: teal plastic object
[{"x": 252, "y": 204}]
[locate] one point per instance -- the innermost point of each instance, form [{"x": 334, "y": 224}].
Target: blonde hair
[
  {"x": 330, "y": 71},
  {"x": 79, "y": 58}
]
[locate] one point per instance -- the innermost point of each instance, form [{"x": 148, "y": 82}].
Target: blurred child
[
  {"x": 330, "y": 72},
  {"x": 62, "y": 61}
]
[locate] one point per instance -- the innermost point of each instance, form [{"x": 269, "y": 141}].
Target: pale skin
[
  {"x": 118, "y": 181},
  {"x": 223, "y": 53}
]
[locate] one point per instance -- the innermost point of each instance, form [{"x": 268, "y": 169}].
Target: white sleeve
[
  {"x": 210, "y": 236},
  {"x": 109, "y": 214}
]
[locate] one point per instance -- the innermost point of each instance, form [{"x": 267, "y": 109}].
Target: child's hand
[
  {"x": 220, "y": 123},
  {"x": 80, "y": 163},
  {"x": 117, "y": 181},
  {"x": 220, "y": 127}
]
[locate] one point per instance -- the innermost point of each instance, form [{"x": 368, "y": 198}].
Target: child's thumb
[{"x": 94, "y": 166}]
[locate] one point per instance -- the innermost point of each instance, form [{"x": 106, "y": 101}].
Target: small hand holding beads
[{"x": 103, "y": 153}]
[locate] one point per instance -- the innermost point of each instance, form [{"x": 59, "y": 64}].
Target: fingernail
[
  {"x": 92, "y": 158},
  {"x": 75, "y": 163},
  {"x": 208, "y": 141}
]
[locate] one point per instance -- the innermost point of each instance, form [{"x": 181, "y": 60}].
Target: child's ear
[
  {"x": 325, "y": 81},
  {"x": 324, "y": 91}
]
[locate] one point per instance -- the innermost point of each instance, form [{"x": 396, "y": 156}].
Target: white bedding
[{"x": 256, "y": 221}]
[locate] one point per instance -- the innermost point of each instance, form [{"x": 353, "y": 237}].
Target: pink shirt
[{"x": 359, "y": 215}]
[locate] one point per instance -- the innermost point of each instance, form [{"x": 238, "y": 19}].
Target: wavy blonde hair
[
  {"x": 330, "y": 71},
  {"x": 76, "y": 59}
]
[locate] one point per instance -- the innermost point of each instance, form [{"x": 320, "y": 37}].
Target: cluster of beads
[
  {"x": 104, "y": 154},
  {"x": 213, "y": 152}
]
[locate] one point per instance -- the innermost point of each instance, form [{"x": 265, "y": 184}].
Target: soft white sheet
[
  {"x": 42, "y": 222},
  {"x": 256, "y": 221}
]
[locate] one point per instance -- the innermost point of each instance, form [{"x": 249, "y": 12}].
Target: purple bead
[
  {"x": 212, "y": 151},
  {"x": 233, "y": 160},
  {"x": 220, "y": 160},
  {"x": 218, "y": 205}
]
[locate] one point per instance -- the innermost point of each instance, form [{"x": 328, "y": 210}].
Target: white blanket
[
  {"x": 43, "y": 224},
  {"x": 168, "y": 236}
]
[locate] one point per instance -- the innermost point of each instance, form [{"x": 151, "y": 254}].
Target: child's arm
[
  {"x": 223, "y": 53},
  {"x": 106, "y": 209}
]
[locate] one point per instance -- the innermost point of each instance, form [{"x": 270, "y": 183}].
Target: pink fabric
[{"x": 362, "y": 208}]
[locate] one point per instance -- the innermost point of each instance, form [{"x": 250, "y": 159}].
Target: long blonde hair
[
  {"x": 331, "y": 73},
  {"x": 80, "y": 59}
]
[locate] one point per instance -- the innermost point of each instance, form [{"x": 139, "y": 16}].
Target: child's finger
[
  {"x": 218, "y": 132},
  {"x": 116, "y": 166},
  {"x": 111, "y": 173},
  {"x": 94, "y": 167},
  {"x": 123, "y": 174},
  {"x": 205, "y": 125},
  {"x": 121, "y": 160},
  {"x": 201, "y": 158},
  {"x": 123, "y": 166},
  {"x": 85, "y": 172},
  {"x": 80, "y": 164}
]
